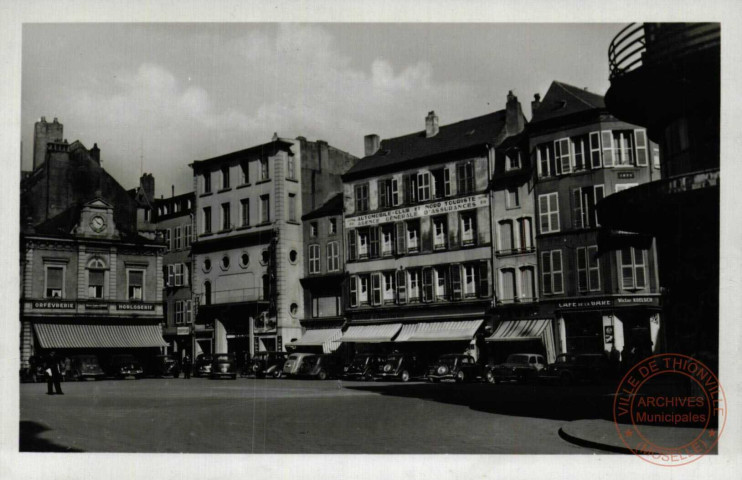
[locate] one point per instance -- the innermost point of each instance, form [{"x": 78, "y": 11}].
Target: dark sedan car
[
  {"x": 123, "y": 366},
  {"x": 223, "y": 365},
  {"x": 84, "y": 367},
  {"x": 202, "y": 365},
  {"x": 579, "y": 368},
  {"x": 163, "y": 366},
  {"x": 265, "y": 364},
  {"x": 399, "y": 366},
  {"x": 362, "y": 367},
  {"x": 320, "y": 367},
  {"x": 458, "y": 367},
  {"x": 520, "y": 367}
]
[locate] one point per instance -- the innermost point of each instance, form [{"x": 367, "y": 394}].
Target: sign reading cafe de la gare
[{"x": 416, "y": 211}]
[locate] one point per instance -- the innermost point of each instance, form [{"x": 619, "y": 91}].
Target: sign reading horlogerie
[{"x": 417, "y": 211}]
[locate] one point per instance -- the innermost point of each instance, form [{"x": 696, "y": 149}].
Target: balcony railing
[{"x": 639, "y": 44}]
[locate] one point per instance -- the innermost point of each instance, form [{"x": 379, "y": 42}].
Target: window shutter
[
  {"x": 447, "y": 182},
  {"x": 556, "y": 264},
  {"x": 427, "y": 284},
  {"x": 351, "y": 245},
  {"x": 376, "y": 288},
  {"x": 406, "y": 189},
  {"x": 484, "y": 279},
  {"x": 640, "y": 139},
  {"x": 455, "y": 275},
  {"x": 599, "y": 195},
  {"x": 395, "y": 192},
  {"x": 546, "y": 272},
  {"x": 577, "y": 208},
  {"x": 581, "y": 270},
  {"x": 373, "y": 235},
  {"x": 401, "y": 286},
  {"x": 353, "y": 289},
  {"x": 607, "y": 143},
  {"x": 593, "y": 267},
  {"x": 595, "y": 161},
  {"x": 170, "y": 275},
  {"x": 565, "y": 156},
  {"x": 640, "y": 269},
  {"x": 381, "y": 190},
  {"x": 401, "y": 238}
]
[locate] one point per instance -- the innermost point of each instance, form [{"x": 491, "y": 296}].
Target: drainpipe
[{"x": 491, "y": 194}]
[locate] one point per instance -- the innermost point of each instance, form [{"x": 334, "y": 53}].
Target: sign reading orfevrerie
[{"x": 417, "y": 211}]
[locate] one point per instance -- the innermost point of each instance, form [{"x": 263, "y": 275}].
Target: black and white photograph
[{"x": 251, "y": 244}]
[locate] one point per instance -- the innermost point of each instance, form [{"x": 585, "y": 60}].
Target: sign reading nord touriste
[{"x": 416, "y": 211}]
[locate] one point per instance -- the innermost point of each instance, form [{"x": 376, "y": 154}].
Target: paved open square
[{"x": 297, "y": 416}]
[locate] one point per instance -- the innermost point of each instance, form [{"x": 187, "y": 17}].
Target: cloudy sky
[{"x": 168, "y": 94}]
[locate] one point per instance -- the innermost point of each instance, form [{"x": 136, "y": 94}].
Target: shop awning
[
  {"x": 439, "y": 331},
  {"x": 522, "y": 330},
  {"x": 371, "y": 333},
  {"x": 327, "y": 338},
  {"x": 77, "y": 335}
]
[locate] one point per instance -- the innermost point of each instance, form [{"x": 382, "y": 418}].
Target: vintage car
[
  {"x": 124, "y": 365},
  {"x": 362, "y": 367},
  {"x": 84, "y": 367},
  {"x": 454, "y": 366},
  {"x": 520, "y": 367},
  {"x": 202, "y": 365},
  {"x": 320, "y": 367},
  {"x": 264, "y": 364},
  {"x": 294, "y": 363},
  {"x": 576, "y": 368},
  {"x": 399, "y": 366},
  {"x": 162, "y": 366},
  {"x": 223, "y": 365}
]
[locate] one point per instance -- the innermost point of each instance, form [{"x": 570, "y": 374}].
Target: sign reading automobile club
[{"x": 417, "y": 211}]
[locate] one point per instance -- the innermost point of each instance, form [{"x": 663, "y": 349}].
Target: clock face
[{"x": 98, "y": 223}]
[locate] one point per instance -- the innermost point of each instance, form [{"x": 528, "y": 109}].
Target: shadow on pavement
[
  {"x": 526, "y": 400},
  {"x": 29, "y": 440}
]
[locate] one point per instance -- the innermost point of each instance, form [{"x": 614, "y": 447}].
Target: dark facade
[
  {"x": 666, "y": 77},
  {"x": 600, "y": 285},
  {"x": 91, "y": 281}
]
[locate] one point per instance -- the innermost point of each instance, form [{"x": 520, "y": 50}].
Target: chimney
[
  {"x": 535, "y": 103},
  {"x": 371, "y": 144},
  {"x": 44, "y": 134},
  {"x": 147, "y": 182},
  {"x": 514, "y": 121},
  {"x": 431, "y": 124},
  {"x": 95, "y": 153},
  {"x": 172, "y": 191}
]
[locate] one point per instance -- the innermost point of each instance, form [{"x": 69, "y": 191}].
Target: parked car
[
  {"x": 362, "y": 367},
  {"x": 223, "y": 365},
  {"x": 202, "y": 365},
  {"x": 320, "y": 367},
  {"x": 399, "y": 366},
  {"x": 163, "y": 366},
  {"x": 263, "y": 364},
  {"x": 583, "y": 367},
  {"x": 84, "y": 367},
  {"x": 454, "y": 366},
  {"x": 294, "y": 363},
  {"x": 124, "y": 365},
  {"x": 520, "y": 367}
]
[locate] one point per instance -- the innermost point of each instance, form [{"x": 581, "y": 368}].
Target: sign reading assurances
[{"x": 417, "y": 211}]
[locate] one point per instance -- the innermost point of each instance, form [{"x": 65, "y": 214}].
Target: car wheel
[
  {"x": 461, "y": 377},
  {"x": 405, "y": 377},
  {"x": 277, "y": 374},
  {"x": 565, "y": 379},
  {"x": 490, "y": 377},
  {"x": 322, "y": 375}
]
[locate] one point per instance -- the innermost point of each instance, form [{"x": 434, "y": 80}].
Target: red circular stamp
[{"x": 670, "y": 410}]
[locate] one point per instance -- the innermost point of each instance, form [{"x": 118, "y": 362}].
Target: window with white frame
[
  {"x": 179, "y": 274},
  {"x": 179, "y": 312},
  {"x": 314, "y": 259},
  {"x": 512, "y": 159},
  {"x": 423, "y": 186},
  {"x": 313, "y": 229},
  {"x": 527, "y": 284},
  {"x": 551, "y": 271},
  {"x": 471, "y": 271},
  {"x": 177, "y": 239},
  {"x": 465, "y": 178},
  {"x": 441, "y": 292},
  {"x": 439, "y": 232},
  {"x": 584, "y": 214},
  {"x": 384, "y": 190},
  {"x": 507, "y": 285},
  {"x": 363, "y": 289},
  {"x": 389, "y": 287},
  {"x": 333, "y": 257},
  {"x": 633, "y": 268},
  {"x": 135, "y": 284},
  {"x": 468, "y": 228},
  {"x": 548, "y": 209},
  {"x": 546, "y": 160},
  {"x": 363, "y": 242},
  {"x": 413, "y": 236},
  {"x": 413, "y": 276},
  {"x": 96, "y": 283},
  {"x": 187, "y": 316},
  {"x": 376, "y": 289},
  {"x": 580, "y": 152},
  {"x": 361, "y": 192},
  {"x": 387, "y": 239},
  {"x": 512, "y": 198},
  {"x": 563, "y": 153},
  {"x": 596, "y": 157},
  {"x": 588, "y": 269},
  {"x": 623, "y": 147}
]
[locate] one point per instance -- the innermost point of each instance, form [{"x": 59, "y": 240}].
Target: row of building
[{"x": 480, "y": 236}]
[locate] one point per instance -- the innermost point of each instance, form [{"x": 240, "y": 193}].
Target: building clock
[{"x": 98, "y": 224}]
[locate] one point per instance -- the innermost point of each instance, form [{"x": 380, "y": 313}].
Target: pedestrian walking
[
  {"x": 187, "y": 367},
  {"x": 67, "y": 368},
  {"x": 53, "y": 375}
]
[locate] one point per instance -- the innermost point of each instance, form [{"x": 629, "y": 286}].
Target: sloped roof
[
  {"x": 334, "y": 206},
  {"x": 562, "y": 99},
  {"x": 456, "y": 136},
  {"x": 62, "y": 225}
]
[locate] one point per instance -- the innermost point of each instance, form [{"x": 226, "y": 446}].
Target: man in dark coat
[
  {"x": 52, "y": 365},
  {"x": 187, "y": 366}
]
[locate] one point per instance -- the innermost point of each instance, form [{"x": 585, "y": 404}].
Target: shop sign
[
  {"x": 608, "y": 302},
  {"x": 625, "y": 175},
  {"x": 637, "y": 300},
  {"x": 141, "y": 307},
  {"x": 55, "y": 305},
  {"x": 592, "y": 303},
  {"x": 183, "y": 331},
  {"x": 96, "y": 306},
  {"x": 417, "y": 211}
]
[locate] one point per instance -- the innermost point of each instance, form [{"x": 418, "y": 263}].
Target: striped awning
[
  {"x": 439, "y": 331},
  {"x": 327, "y": 338},
  {"x": 85, "y": 335},
  {"x": 371, "y": 333},
  {"x": 520, "y": 330}
]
